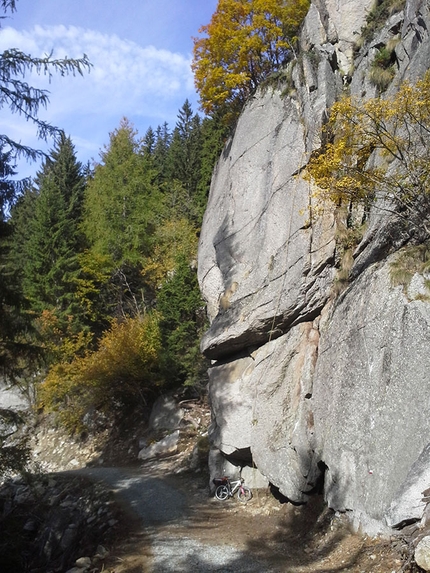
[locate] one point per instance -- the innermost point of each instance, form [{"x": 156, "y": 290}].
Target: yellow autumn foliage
[
  {"x": 244, "y": 42},
  {"x": 122, "y": 370},
  {"x": 175, "y": 238},
  {"x": 60, "y": 341},
  {"x": 379, "y": 150}
]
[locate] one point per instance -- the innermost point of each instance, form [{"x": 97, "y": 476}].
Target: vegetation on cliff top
[{"x": 245, "y": 41}]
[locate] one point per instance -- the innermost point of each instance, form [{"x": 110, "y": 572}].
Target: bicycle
[{"x": 226, "y": 488}]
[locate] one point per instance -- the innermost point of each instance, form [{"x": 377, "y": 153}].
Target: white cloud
[
  {"x": 125, "y": 77},
  {"x": 145, "y": 84}
]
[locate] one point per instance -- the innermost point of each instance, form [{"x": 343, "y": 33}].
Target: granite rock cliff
[{"x": 311, "y": 389}]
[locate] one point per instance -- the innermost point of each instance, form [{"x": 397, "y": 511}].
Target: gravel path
[
  {"x": 172, "y": 528},
  {"x": 151, "y": 498},
  {"x": 184, "y": 555}
]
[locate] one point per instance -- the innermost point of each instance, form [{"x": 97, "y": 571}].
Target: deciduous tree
[
  {"x": 244, "y": 42},
  {"x": 123, "y": 370},
  {"x": 379, "y": 150}
]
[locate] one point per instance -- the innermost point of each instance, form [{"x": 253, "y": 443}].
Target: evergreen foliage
[
  {"x": 214, "y": 135},
  {"x": 122, "y": 202},
  {"x": 161, "y": 146},
  {"x": 102, "y": 258},
  {"x": 54, "y": 240},
  {"x": 123, "y": 208},
  {"x": 17, "y": 351},
  {"x": 18, "y": 97},
  {"x": 46, "y": 224},
  {"x": 184, "y": 149},
  {"x": 182, "y": 324},
  {"x": 15, "y": 456},
  {"x": 25, "y": 100}
]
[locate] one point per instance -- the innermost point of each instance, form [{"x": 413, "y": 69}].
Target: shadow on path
[
  {"x": 152, "y": 499},
  {"x": 185, "y": 531}
]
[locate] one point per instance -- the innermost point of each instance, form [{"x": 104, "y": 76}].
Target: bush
[
  {"x": 378, "y": 152},
  {"x": 14, "y": 448},
  {"x": 378, "y": 16},
  {"x": 123, "y": 370}
]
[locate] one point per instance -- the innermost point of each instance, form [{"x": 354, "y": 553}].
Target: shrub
[
  {"x": 122, "y": 371},
  {"x": 377, "y": 17},
  {"x": 379, "y": 149}
]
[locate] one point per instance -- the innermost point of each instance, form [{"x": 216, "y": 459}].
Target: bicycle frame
[
  {"x": 233, "y": 486},
  {"x": 227, "y": 488}
]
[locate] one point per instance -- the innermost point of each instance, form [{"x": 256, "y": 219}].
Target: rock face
[{"x": 306, "y": 386}]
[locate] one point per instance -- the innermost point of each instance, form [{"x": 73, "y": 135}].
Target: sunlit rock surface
[{"x": 318, "y": 391}]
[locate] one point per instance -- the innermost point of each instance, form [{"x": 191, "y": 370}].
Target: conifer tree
[
  {"x": 183, "y": 320},
  {"x": 163, "y": 139},
  {"x": 149, "y": 142},
  {"x": 21, "y": 98},
  {"x": 16, "y": 352},
  {"x": 214, "y": 134},
  {"x": 121, "y": 200},
  {"x": 185, "y": 153},
  {"x": 51, "y": 251},
  {"x": 122, "y": 210}
]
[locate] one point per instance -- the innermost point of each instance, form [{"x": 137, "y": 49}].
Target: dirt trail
[{"x": 174, "y": 526}]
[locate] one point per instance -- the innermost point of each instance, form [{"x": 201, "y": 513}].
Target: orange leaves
[
  {"x": 122, "y": 370},
  {"x": 245, "y": 41}
]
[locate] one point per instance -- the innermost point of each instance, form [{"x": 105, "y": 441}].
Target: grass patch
[
  {"x": 378, "y": 16},
  {"x": 383, "y": 68},
  {"x": 381, "y": 78},
  {"x": 349, "y": 233},
  {"x": 411, "y": 260}
]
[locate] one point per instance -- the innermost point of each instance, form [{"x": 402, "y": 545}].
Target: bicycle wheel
[
  {"x": 244, "y": 494},
  {"x": 221, "y": 492}
]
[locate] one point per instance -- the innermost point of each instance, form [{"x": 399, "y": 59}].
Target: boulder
[
  {"x": 164, "y": 447},
  {"x": 409, "y": 502},
  {"x": 422, "y": 553},
  {"x": 370, "y": 392},
  {"x": 261, "y": 402},
  {"x": 255, "y": 294},
  {"x": 166, "y": 414},
  {"x": 306, "y": 383}
]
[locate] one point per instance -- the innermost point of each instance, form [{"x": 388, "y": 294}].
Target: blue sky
[{"x": 140, "y": 50}]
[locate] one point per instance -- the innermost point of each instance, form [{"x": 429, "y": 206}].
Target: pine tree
[
  {"x": 183, "y": 320},
  {"x": 214, "y": 133},
  {"x": 16, "y": 350},
  {"x": 163, "y": 139},
  {"x": 149, "y": 142},
  {"x": 185, "y": 154},
  {"x": 25, "y": 100},
  {"x": 122, "y": 210},
  {"x": 51, "y": 251}
]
